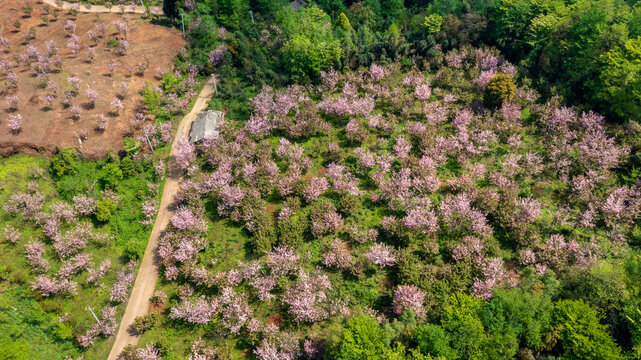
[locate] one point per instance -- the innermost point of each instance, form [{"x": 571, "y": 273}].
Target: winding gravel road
[{"x": 143, "y": 289}]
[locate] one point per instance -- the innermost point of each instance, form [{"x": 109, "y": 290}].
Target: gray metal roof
[
  {"x": 206, "y": 125},
  {"x": 297, "y": 4}
]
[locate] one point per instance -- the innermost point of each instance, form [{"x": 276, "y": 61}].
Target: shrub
[
  {"x": 410, "y": 269},
  {"x": 128, "y": 167},
  {"x": 4, "y": 273},
  {"x": 105, "y": 209},
  {"x": 28, "y": 9},
  {"x": 349, "y": 204},
  {"x": 62, "y": 331},
  {"x": 144, "y": 322},
  {"x": 135, "y": 249},
  {"x": 500, "y": 89},
  {"x": 522, "y": 313},
  {"x": 129, "y": 352},
  {"x": 158, "y": 298},
  {"x": 291, "y": 231},
  {"x": 131, "y": 145},
  {"x": 153, "y": 102},
  {"x": 362, "y": 339},
  {"x": 264, "y": 233},
  {"x": 110, "y": 175},
  {"x": 64, "y": 162}
]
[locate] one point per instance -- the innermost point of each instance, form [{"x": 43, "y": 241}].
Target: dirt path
[
  {"x": 102, "y": 9},
  {"x": 143, "y": 289}
]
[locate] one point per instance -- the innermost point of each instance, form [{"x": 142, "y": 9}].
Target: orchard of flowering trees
[
  {"x": 393, "y": 193},
  {"x": 54, "y": 71},
  {"x": 453, "y": 211},
  {"x": 71, "y": 240}
]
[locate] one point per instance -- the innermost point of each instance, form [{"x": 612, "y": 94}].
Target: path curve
[
  {"x": 103, "y": 9},
  {"x": 145, "y": 284}
]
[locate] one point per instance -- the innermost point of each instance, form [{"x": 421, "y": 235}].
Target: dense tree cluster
[{"x": 586, "y": 51}]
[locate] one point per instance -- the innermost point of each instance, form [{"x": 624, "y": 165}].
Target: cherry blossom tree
[
  {"x": 184, "y": 218},
  {"x": 381, "y": 255},
  {"x": 123, "y": 46},
  {"x": 123, "y": 90},
  {"x": 27, "y": 204},
  {"x": 195, "y": 311},
  {"x": 15, "y": 123},
  {"x": 34, "y": 253},
  {"x": 70, "y": 27},
  {"x": 470, "y": 249},
  {"x": 121, "y": 27},
  {"x": 325, "y": 219},
  {"x": 149, "y": 210},
  {"x": 493, "y": 274},
  {"x": 74, "y": 82},
  {"x": 76, "y": 111},
  {"x": 282, "y": 260},
  {"x": 421, "y": 218},
  {"x": 402, "y": 147},
  {"x": 423, "y": 92},
  {"x": 12, "y": 102},
  {"x": 93, "y": 36},
  {"x": 337, "y": 255},
  {"x": 48, "y": 101},
  {"x": 116, "y": 105},
  {"x": 305, "y": 299},
  {"x": 95, "y": 275},
  {"x": 73, "y": 44},
  {"x": 120, "y": 289},
  {"x": 216, "y": 56},
  {"x": 46, "y": 286},
  {"x": 5, "y": 43},
  {"x": 12, "y": 78},
  {"x": 622, "y": 206},
  {"x": 104, "y": 327},
  {"x": 458, "y": 214},
  {"x": 11, "y": 234},
  {"x": 92, "y": 96},
  {"x": 376, "y": 72},
  {"x": 316, "y": 188},
  {"x": 73, "y": 265},
  {"x": 103, "y": 121},
  {"x": 185, "y": 154},
  {"x": 111, "y": 67},
  {"x": 52, "y": 48},
  {"x": 409, "y": 297},
  {"x": 149, "y": 352}
]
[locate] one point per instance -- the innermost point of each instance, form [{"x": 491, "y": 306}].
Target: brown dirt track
[
  {"x": 142, "y": 291},
  {"x": 42, "y": 129}
]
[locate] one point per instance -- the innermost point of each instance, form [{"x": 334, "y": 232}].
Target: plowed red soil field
[{"x": 45, "y": 128}]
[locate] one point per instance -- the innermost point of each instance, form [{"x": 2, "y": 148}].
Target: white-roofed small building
[{"x": 206, "y": 125}]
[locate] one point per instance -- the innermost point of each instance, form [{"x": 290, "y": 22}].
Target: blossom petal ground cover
[{"x": 393, "y": 214}]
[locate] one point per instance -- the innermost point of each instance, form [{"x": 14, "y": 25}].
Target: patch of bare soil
[{"x": 45, "y": 128}]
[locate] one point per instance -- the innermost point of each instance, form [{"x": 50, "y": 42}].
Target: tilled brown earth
[{"x": 43, "y": 128}]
